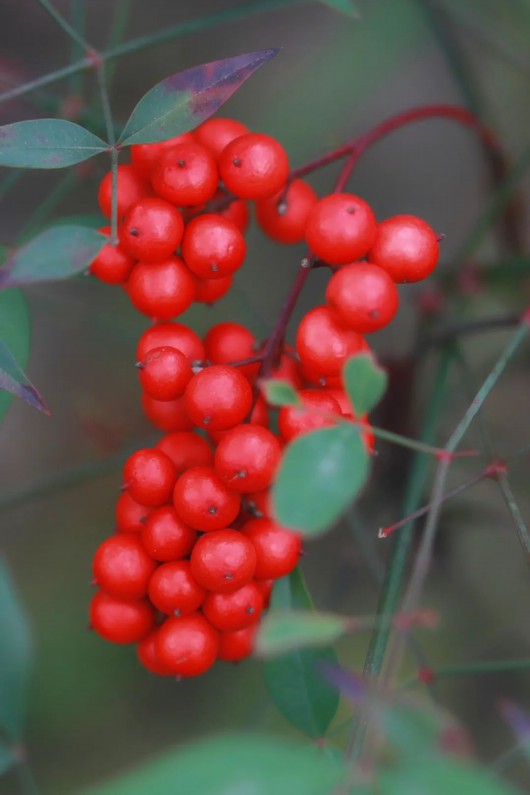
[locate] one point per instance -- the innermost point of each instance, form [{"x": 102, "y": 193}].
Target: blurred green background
[{"x": 93, "y": 710}]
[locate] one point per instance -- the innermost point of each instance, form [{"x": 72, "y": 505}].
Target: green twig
[
  {"x": 65, "y": 25},
  {"x": 117, "y": 32},
  {"x": 60, "y": 191},
  {"x": 523, "y": 533},
  {"x": 78, "y": 23}
]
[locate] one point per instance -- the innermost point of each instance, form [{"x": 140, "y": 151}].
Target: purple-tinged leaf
[
  {"x": 47, "y": 143},
  {"x": 184, "y": 100},
  {"x": 15, "y": 332},
  {"x": 351, "y": 685},
  {"x": 518, "y": 720},
  {"x": 57, "y": 253},
  {"x": 14, "y": 380}
]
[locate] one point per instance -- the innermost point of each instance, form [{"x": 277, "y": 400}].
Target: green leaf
[
  {"x": 57, "y": 253},
  {"x": 320, "y": 475},
  {"x": 286, "y": 630},
  {"x": 15, "y": 332},
  {"x": 236, "y": 764},
  {"x": 14, "y": 380},
  {"x": 347, "y": 7},
  {"x": 187, "y": 98},
  {"x": 294, "y": 681},
  {"x": 280, "y": 393},
  {"x": 7, "y": 760},
  {"x": 47, "y": 143},
  {"x": 15, "y": 659},
  {"x": 364, "y": 381},
  {"x": 440, "y": 775}
]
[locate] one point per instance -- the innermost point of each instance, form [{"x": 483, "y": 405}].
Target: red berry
[
  {"x": 165, "y": 536},
  {"x": 213, "y": 246},
  {"x": 259, "y": 503},
  {"x": 231, "y": 342},
  {"x": 165, "y": 373},
  {"x": 277, "y": 549},
  {"x": 346, "y": 409},
  {"x": 130, "y": 515},
  {"x": 147, "y": 652},
  {"x": 236, "y": 646},
  {"x": 145, "y": 156},
  {"x": 172, "y": 335},
  {"x": 187, "y": 645},
  {"x": 283, "y": 217},
  {"x": 363, "y": 297},
  {"x": 265, "y": 587},
  {"x": 223, "y": 561},
  {"x": 174, "y": 590},
  {"x": 258, "y": 416},
  {"x": 203, "y": 501},
  {"x": 323, "y": 344},
  {"x": 237, "y": 212},
  {"x": 247, "y": 458},
  {"x": 112, "y": 265},
  {"x": 288, "y": 370},
  {"x": 217, "y": 133},
  {"x": 218, "y": 398},
  {"x": 208, "y": 291},
  {"x": 340, "y": 228},
  {"x": 150, "y": 475},
  {"x": 229, "y": 612},
  {"x": 132, "y": 187},
  {"x": 152, "y": 230},
  {"x": 122, "y": 567},
  {"x": 406, "y": 248},
  {"x": 120, "y": 620},
  {"x": 186, "y": 450},
  {"x": 167, "y": 415},
  {"x": 186, "y": 174},
  {"x": 254, "y": 166},
  {"x": 316, "y": 405},
  {"x": 161, "y": 290}
]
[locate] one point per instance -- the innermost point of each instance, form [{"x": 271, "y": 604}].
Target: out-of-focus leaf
[
  {"x": 440, "y": 775},
  {"x": 280, "y": 393},
  {"x": 364, "y": 381},
  {"x": 15, "y": 332},
  {"x": 519, "y": 722},
  {"x": 14, "y": 380},
  {"x": 47, "y": 143},
  {"x": 287, "y": 630},
  {"x": 348, "y": 7}
]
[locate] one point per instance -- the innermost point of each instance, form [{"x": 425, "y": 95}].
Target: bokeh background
[{"x": 93, "y": 711}]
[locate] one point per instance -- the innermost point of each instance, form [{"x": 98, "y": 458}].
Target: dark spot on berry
[
  {"x": 374, "y": 314},
  {"x": 282, "y": 207},
  {"x": 214, "y": 267},
  {"x": 229, "y": 575},
  {"x": 350, "y": 210},
  {"x": 134, "y": 232},
  {"x": 206, "y": 420},
  {"x": 212, "y": 510},
  {"x": 181, "y": 163},
  {"x": 237, "y": 162},
  {"x": 176, "y": 613},
  {"x": 250, "y": 610}
]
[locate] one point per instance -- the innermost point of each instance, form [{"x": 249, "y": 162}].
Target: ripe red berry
[
  {"x": 151, "y": 230},
  {"x": 340, "y": 228},
  {"x": 265, "y": 587},
  {"x": 187, "y": 645},
  {"x": 236, "y": 646},
  {"x": 316, "y": 406},
  {"x": 174, "y": 590},
  {"x": 165, "y": 373},
  {"x": 247, "y": 458},
  {"x": 186, "y": 174},
  {"x": 283, "y": 217},
  {"x": 120, "y": 620},
  {"x": 217, "y": 133},
  {"x": 237, "y": 212},
  {"x": 288, "y": 370},
  {"x": 258, "y": 503},
  {"x": 213, "y": 246},
  {"x": 254, "y": 166},
  {"x": 112, "y": 265},
  {"x": 277, "y": 549},
  {"x": 147, "y": 652},
  {"x": 406, "y": 247},
  {"x": 363, "y": 297},
  {"x": 186, "y": 450},
  {"x": 346, "y": 409},
  {"x": 208, "y": 291},
  {"x": 150, "y": 475},
  {"x": 323, "y": 344},
  {"x": 172, "y": 335},
  {"x": 229, "y": 612},
  {"x": 218, "y": 398},
  {"x": 131, "y": 188},
  {"x": 130, "y": 515},
  {"x": 231, "y": 342},
  {"x": 161, "y": 290},
  {"x": 203, "y": 501},
  {"x": 145, "y": 156},
  {"x": 223, "y": 561},
  {"x": 167, "y": 415},
  {"x": 165, "y": 536},
  {"x": 122, "y": 567}
]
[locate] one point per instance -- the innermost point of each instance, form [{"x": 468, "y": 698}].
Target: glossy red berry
[
  {"x": 213, "y": 246},
  {"x": 254, "y": 166},
  {"x": 229, "y": 612},
  {"x": 247, "y": 458},
  {"x": 187, "y": 645},
  {"x": 218, "y": 398},
  {"x": 215, "y": 134},
  {"x": 167, "y": 415},
  {"x": 223, "y": 561},
  {"x": 237, "y": 212},
  {"x": 363, "y": 297},
  {"x": 186, "y": 450},
  {"x": 231, "y": 342},
  {"x": 112, "y": 265},
  {"x": 172, "y": 335},
  {"x": 174, "y": 590},
  {"x": 149, "y": 476},
  {"x": 151, "y": 230},
  {"x": 340, "y": 228},
  {"x": 323, "y": 344},
  {"x": 165, "y": 536},
  {"x": 121, "y": 620},
  {"x": 161, "y": 290},
  {"x": 236, "y": 646},
  {"x": 145, "y": 156},
  {"x": 406, "y": 247},
  {"x": 147, "y": 651},
  {"x": 203, "y": 501},
  {"x": 317, "y": 406},
  {"x": 165, "y": 373},
  {"x": 265, "y": 587},
  {"x": 208, "y": 291},
  {"x": 131, "y": 516},
  {"x": 122, "y": 567},
  {"x": 277, "y": 549},
  {"x": 283, "y": 217},
  {"x": 132, "y": 187},
  {"x": 186, "y": 174}
]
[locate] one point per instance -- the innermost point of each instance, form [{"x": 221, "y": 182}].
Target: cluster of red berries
[{"x": 191, "y": 566}]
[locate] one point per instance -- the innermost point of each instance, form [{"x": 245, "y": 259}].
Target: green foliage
[
  {"x": 365, "y": 382},
  {"x": 14, "y": 380},
  {"x": 348, "y": 7},
  {"x": 320, "y": 475},
  {"x": 439, "y": 775},
  {"x": 47, "y": 143},
  {"x": 280, "y": 393},
  {"x": 294, "y": 681},
  {"x": 286, "y": 630},
  {"x": 14, "y": 333}
]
